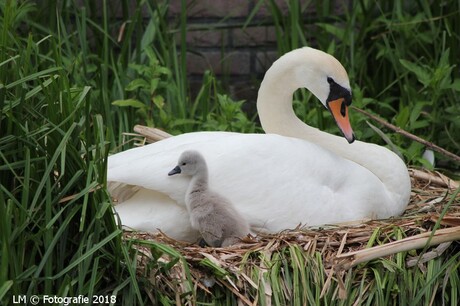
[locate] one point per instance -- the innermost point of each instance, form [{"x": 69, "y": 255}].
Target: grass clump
[
  {"x": 74, "y": 78},
  {"x": 57, "y": 231}
]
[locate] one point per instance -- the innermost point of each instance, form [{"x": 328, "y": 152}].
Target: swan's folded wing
[
  {"x": 148, "y": 166},
  {"x": 276, "y": 182}
]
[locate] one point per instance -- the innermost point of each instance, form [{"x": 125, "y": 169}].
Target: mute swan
[
  {"x": 294, "y": 174},
  {"x": 218, "y": 222}
]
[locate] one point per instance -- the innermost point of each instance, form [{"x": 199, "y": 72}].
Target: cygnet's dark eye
[
  {"x": 330, "y": 80},
  {"x": 183, "y": 164}
]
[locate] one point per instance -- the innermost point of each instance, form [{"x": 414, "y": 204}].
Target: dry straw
[{"x": 431, "y": 222}]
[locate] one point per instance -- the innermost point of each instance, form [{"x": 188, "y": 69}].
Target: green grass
[
  {"x": 57, "y": 231},
  {"x": 402, "y": 59},
  {"x": 61, "y": 76},
  {"x": 69, "y": 88}
]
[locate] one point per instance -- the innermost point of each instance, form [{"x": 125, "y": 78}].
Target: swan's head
[
  {"x": 190, "y": 163},
  {"x": 326, "y": 78},
  {"x": 337, "y": 102},
  {"x": 320, "y": 73}
]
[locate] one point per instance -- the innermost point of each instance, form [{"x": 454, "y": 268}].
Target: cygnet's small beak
[
  {"x": 339, "y": 110},
  {"x": 176, "y": 170}
]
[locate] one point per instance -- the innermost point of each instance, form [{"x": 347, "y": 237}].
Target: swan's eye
[
  {"x": 330, "y": 80},
  {"x": 183, "y": 164}
]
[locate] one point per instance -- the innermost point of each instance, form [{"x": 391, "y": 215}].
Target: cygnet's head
[{"x": 190, "y": 163}]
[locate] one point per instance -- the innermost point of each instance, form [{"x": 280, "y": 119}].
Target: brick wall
[
  {"x": 239, "y": 57},
  {"x": 216, "y": 41}
]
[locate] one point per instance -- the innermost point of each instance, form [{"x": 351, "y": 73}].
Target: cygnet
[{"x": 218, "y": 222}]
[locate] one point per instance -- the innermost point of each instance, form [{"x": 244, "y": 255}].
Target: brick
[
  {"x": 341, "y": 7},
  {"x": 264, "y": 60},
  {"x": 265, "y": 11},
  {"x": 211, "y": 8},
  {"x": 114, "y": 8},
  {"x": 234, "y": 62},
  {"x": 198, "y": 63},
  {"x": 283, "y": 6},
  {"x": 244, "y": 89},
  {"x": 207, "y": 38},
  {"x": 253, "y": 36}
]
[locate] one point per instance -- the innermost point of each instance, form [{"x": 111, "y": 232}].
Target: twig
[
  {"x": 440, "y": 179},
  {"x": 351, "y": 259},
  {"x": 235, "y": 292},
  {"x": 410, "y": 135},
  {"x": 429, "y": 255},
  {"x": 152, "y": 134}
]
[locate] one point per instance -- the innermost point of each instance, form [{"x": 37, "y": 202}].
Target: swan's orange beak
[{"x": 339, "y": 110}]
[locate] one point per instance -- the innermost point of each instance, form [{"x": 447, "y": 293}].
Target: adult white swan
[{"x": 297, "y": 175}]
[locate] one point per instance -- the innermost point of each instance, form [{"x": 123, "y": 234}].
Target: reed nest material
[{"x": 434, "y": 204}]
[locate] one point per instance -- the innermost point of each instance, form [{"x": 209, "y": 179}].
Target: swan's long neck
[{"x": 276, "y": 114}]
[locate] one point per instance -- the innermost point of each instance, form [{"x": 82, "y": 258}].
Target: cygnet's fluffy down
[{"x": 218, "y": 222}]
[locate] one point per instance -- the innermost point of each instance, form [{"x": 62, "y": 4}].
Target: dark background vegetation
[{"x": 75, "y": 75}]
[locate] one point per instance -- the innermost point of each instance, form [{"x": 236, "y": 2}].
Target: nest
[{"x": 432, "y": 218}]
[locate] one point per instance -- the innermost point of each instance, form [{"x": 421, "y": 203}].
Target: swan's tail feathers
[
  {"x": 120, "y": 192},
  {"x": 151, "y": 134},
  {"x": 150, "y": 211}
]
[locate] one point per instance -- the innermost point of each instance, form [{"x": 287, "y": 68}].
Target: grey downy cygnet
[{"x": 218, "y": 222}]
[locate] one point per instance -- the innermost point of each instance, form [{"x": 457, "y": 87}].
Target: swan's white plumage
[
  {"x": 302, "y": 189},
  {"x": 276, "y": 182}
]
